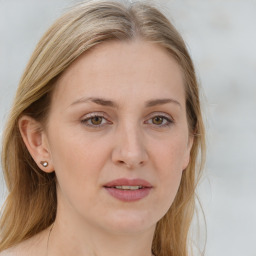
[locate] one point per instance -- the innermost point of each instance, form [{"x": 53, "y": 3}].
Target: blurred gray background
[{"x": 221, "y": 37}]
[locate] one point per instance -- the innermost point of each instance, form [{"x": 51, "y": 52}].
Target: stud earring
[{"x": 44, "y": 163}]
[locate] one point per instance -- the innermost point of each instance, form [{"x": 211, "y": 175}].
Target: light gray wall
[{"x": 222, "y": 40}]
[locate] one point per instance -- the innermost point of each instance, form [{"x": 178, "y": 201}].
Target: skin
[{"x": 132, "y": 139}]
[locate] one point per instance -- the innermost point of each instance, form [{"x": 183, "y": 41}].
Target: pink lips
[{"x": 128, "y": 195}]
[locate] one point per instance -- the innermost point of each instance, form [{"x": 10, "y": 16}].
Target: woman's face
[{"x": 118, "y": 136}]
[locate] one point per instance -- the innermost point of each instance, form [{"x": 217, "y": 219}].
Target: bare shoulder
[
  {"x": 12, "y": 252},
  {"x": 8, "y": 252},
  {"x": 35, "y": 245},
  {"x": 18, "y": 250}
]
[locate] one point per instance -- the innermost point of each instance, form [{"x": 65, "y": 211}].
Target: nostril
[
  {"x": 129, "y": 158},
  {"x": 130, "y": 165},
  {"x": 124, "y": 163}
]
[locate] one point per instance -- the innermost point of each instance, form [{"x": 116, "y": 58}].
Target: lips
[
  {"x": 128, "y": 182},
  {"x": 128, "y": 190}
]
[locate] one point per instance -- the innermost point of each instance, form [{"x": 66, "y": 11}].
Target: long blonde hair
[{"x": 31, "y": 204}]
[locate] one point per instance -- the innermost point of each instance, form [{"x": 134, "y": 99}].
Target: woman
[{"x": 100, "y": 150}]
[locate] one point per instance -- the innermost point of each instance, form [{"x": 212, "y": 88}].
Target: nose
[{"x": 129, "y": 150}]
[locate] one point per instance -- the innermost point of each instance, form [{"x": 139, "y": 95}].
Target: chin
[{"x": 129, "y": 222}]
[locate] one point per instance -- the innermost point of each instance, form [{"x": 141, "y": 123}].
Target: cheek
[
  {"x": 171, "y": 154},
  {"x": 74, "y": 149},
  {"x": 77, "y": 160},
  {"x": 78, "y": 164},
  {"x": 169, "y": 159}
]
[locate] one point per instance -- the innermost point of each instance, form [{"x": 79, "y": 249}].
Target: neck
[{"x": 81, "y": 239}]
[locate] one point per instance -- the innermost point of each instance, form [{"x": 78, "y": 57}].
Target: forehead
[{"x": 122, "y": 69}]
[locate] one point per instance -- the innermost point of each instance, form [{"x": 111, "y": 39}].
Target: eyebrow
[
  {"x": 152, "y": 103},
  {"x": 109, "y": 103},
  {"x": 99, "y": 101}
]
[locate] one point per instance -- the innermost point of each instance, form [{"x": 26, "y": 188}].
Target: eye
[
  {"x": 160, "y": 121},
  {"x": 95, "y": 120}
]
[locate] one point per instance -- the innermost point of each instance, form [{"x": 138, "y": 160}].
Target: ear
[
  {"x": 36, "y": 142},
  {"x": 187, "y": 153}
]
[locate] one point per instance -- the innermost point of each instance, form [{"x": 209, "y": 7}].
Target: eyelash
[
  {"x": 168, "y": 121},
  {"x": 90, "y": 116}
]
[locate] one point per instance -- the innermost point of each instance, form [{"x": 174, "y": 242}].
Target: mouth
[
  {"x": 128, "y": 187},
  {"x": 128, "y": 190}
]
